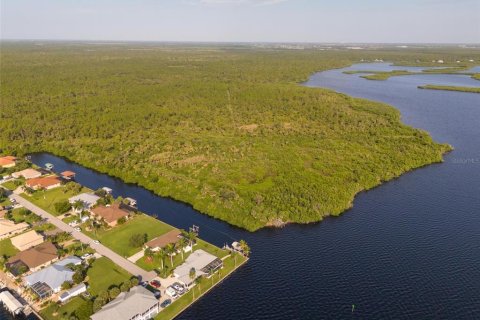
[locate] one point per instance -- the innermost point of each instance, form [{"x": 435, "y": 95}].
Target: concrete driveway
[{"x": 101, "y": 249}]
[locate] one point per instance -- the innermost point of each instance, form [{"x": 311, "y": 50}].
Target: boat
[{"x": 49, "y": 166}]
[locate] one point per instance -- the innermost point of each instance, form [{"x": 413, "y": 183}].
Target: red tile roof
[
  {"x": 43, "y": 182},
  {"x": 110, "y": 214},
  {"x": 7, "y": 160},
  {"x": 67, "y": 174}
]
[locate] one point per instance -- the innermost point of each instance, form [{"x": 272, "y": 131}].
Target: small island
[{"x": 451, "y": 88}]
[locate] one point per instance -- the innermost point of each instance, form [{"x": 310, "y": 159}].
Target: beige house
[
  {"x": 9, "y": 228},
  {"x": 46, "y": 183},
  {"x": 27, "y": 174},
  {"x": 27, "y": 240}
]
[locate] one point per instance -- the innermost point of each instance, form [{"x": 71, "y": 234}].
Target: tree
[
  {"x": 193, "y": 275},
  {"x": 122, "y": 220},
  {"x": 149, "y": 254},
  {"x": 113, "y": 292},
  {"x": 182, "y": 243},
  {"x": 78, "y": 276},
  {"x": 161, "y": 256},
  {"x": 66, "y": 285},
  {"x": 62, "y": 206},
  {"x": 125, "y": 286},
  {"x": 134, "y": 281},
  {"x": 138, "y": 239},
  {"x": 98, "y": 303},
  {"x": 170, "y": 249},
  {"x": 85, "y": 310},
  {"x": 244, "y": 247},
  {"x": 78, "y": 204}
]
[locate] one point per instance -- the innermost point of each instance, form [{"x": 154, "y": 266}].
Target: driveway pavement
[{"x": 101, "y": 249}]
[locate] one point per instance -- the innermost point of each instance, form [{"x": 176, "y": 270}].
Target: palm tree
[
  {"x": 170, "y": 249},
  {"x": 78, "y": 204},
  {"x": 148, "y": 253},
  {"x": 182, "y": 243},
  {"x": 191, "y": 236},
  {"x": 161, "y": 255},
  {"x": 193, "y": 275},
  {"x": 244, "y": 247}
]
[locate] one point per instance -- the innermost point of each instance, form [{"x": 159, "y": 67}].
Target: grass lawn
[
  {"x": 63, "y": 312},
  {"x": 180, "y": 304},
  {"x": 18, "y": 215},
  {"x": 10, "y": 185},
  {"x": 177, "y": 259},
  {"x": 104, "y": 273},
  {"x": 7, "y": 248},
  {"x": 118, "y": 237},
  {"x": 47, "y": 199},
  {"x": 5, "y": 202}
]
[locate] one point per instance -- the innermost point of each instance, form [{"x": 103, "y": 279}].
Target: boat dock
[{"x": 14, "y": 306}]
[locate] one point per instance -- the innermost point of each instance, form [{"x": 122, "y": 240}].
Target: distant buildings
[
  {"x": 75, "y": 291},
  {"x": 47, "y": 183},
  {"x": 8, "y": 161},
  {"x": 50, "y": 279},
  {"x": 9, "y": 228},
  {"x": 87, "y": 199},
  {"x": 111, "y": 214},
  {"x": 138, "y": 304},
  {"x": 203, "y": 262},
  {"x": 162, "y": 241},
  {"x": 27, "y": 174},
  {"x": 32, "y": 259},
  {"x": 67, "y": 175},
  {"x": 27, "y": 240}
]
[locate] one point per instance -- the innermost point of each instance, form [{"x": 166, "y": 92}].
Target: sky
[{"x": 322, "y": 21}]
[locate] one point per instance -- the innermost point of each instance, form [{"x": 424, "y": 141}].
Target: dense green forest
[{"x": 226, "y": 129}]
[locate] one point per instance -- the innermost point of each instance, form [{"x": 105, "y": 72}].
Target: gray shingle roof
[
  {"x": 126, "y": 305},
  {"x": 54, "y": 275}
]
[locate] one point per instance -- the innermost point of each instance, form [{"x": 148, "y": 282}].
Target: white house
[
  {"x": 88, "y": 200},
  {"x": 139, "y": 304},
  {"x": 75, "y": 291}
]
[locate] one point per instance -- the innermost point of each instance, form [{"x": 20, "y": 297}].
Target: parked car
[
  {"x": 155, "y": 283},
  {"x": 171, "y": 292},
  {"x": 96, "y": 242},
  {"x": 144, "y": 284},
  {"x": 86, "y": 256},
  {"x": 157, "y": 294},
  {"x": 166, "y": 303},
  {"x": 179, "y": 288},
  {"x": 78, "y": 229}
]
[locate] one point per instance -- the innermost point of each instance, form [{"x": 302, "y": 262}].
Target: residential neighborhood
[{"x": 60, "y": 242}]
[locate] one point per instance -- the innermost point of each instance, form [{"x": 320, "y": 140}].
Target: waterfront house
[
  {"x": 46, "y": 183},
  {"x": 49, "y": 280},
  {"x": 203, "y": 262},
  {"x": 8, "y": 161},
  {"x": 138, "y": 304},
  {"x": 9, "y": 228},
  {"x": 75, "y": 291},
  {"x": 27, "y": 240},
  {"x": 87, "y": 199},
  {"x": 27, "y": 174},
  {"x": 162, "y": 241},
  {"x": 32, "y": 259},
  {"x": 111, "y": 214},
  {"x": 67, "y": 175}
]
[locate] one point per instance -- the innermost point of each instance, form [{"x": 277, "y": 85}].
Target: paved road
[{"x": 101, "y": 249}]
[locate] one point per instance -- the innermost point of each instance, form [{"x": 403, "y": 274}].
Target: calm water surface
[{"x": 409, "y": 249}]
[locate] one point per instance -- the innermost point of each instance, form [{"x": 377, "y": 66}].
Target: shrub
[
  {"x": 62, "y": 206},
  {"x": 138, "y": 239}
]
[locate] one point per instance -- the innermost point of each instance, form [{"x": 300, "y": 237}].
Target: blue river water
[{"x": 409, "y": 249}]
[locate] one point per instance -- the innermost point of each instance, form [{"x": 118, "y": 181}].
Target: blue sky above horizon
[{"x": 407, "y": 21}]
